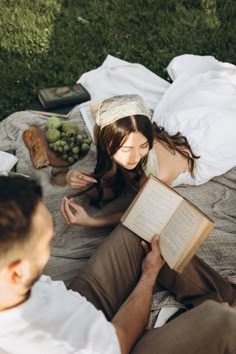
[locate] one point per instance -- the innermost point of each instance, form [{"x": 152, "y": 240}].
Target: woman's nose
[{"x": 137, "y": 155}]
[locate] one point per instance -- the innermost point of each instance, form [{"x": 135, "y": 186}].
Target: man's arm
[{"x": 132, "y": 317}]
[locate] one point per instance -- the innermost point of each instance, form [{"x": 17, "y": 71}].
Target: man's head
[{"x": 26, "y": 229}]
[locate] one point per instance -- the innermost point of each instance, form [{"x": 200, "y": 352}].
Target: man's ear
[{"x": 13, "y": 273}]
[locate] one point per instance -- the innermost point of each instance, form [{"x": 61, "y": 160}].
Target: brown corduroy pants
[{"x": 114, "y": 270}]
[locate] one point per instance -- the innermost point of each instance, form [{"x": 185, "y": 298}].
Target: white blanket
[
  {"x": 119, "y": 77},
  {"x": 200, "y": 103}
]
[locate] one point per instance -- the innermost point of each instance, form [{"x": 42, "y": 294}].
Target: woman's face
[{"x": 131, "y": 151}]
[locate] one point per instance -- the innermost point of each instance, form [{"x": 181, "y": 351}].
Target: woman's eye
[
  {"x": 145, "y": 146},
  {"x": 124, "y": 149}
]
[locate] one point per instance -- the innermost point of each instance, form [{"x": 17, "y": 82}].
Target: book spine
[{"x": 61, "y": 102}]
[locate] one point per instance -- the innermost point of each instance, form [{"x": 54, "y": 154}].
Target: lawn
[{"x": 46, "y": 43}]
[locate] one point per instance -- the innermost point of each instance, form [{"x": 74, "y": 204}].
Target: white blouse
[{"x": 151, "y": 168}]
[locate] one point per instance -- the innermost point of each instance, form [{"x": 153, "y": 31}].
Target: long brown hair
[
  {"x": 176, "y": 142},
  {"x": 108, "y": 140}
]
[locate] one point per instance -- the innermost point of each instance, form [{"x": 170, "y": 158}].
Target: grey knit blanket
[{"x": 73, "y": 245}]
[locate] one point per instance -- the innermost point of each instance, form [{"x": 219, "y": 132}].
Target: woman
[{"x": 129, "y": 148}]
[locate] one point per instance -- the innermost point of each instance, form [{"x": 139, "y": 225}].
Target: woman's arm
[
  {"x": 81, "y": 179},
  {"x": 76, "y": 215}
]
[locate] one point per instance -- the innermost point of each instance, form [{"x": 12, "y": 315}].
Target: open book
[{"x": 158, "y": 209}]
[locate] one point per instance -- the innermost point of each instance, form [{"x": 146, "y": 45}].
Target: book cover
[{"x": 63, "y": 96}]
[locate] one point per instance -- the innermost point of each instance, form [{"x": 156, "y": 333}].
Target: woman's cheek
[{"x": 119, "y": 157}]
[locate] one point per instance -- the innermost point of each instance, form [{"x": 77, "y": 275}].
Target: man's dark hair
[{"x": 19, "y": 197}]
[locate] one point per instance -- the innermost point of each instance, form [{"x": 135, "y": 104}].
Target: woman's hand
[
  {"x": 74, "y": 214},
  {"x": 79, "y": 179}
]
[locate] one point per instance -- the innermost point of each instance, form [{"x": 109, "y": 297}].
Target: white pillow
[{"x": 202, "y": 106}]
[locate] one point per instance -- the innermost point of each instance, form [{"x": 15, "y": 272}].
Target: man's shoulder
[
  {"x": 56, "y": 288},
  {"x": 54, "y": 317},
  {"x": 45, "y": 279}
]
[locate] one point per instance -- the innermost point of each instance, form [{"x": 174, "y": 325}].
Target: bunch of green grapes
[
  {"x": 65, "y": 139},
  {"x": 71, "y": 148}
]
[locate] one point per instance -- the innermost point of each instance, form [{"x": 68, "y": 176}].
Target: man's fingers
[
  {"x": 155, "y": 242},
  {"x": 156, "y": 247},
  {"x": 153, "y": 246},
  {"x": 145, "y": 246},
  {"x": 156, "y": 237}
]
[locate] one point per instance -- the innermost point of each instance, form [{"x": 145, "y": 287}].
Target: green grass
[{"x": 47, "y": 43}]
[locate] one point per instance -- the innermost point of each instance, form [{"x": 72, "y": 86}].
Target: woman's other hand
[
  {"x": 74, "y": 214},
  {"x": 79, "y": 179}
]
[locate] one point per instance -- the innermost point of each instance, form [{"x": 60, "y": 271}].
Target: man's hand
[
  {"x": 79, "y": 179},
  {"x": 153, "y": 260}
]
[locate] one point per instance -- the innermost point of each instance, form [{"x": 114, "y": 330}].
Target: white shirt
[
  {"x": 55, "y": 320},
  {"x": 151, "y": 168}
]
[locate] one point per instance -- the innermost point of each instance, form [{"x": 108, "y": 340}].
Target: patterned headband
[{"x": 118, "y": 107}]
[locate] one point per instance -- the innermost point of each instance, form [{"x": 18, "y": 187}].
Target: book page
[
  {"x": 180, "y": 233},
  {"x": 152, "y": 209}
]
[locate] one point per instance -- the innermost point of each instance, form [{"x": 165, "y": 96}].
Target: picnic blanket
[{"x": 73, "y": 245}]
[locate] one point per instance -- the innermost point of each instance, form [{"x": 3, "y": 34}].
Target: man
[{"x": 38, "y": 315}]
